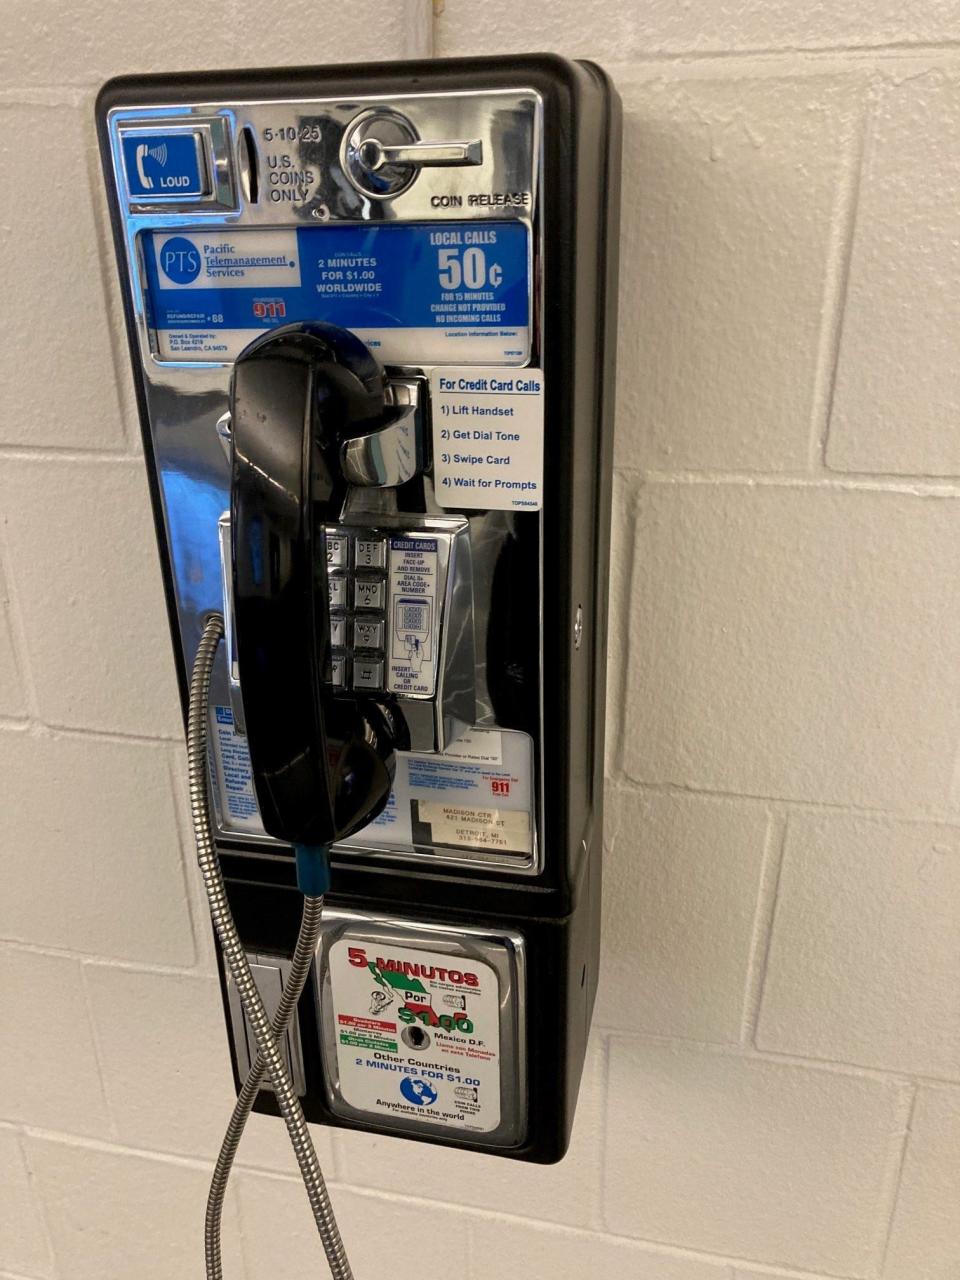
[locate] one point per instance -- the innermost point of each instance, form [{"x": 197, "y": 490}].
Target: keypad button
[
  {"x": 367, "y": 673},
  {"x": 338, "y": 632},
  {"x": 368, "y": 633},
  {"x": 336, "y": 545},
  {"x": 371, "y": 553},
  {"x": 338, "y": 591},
  {"x": 338, "y": 673},
  {"x": 368, "y": 593}
]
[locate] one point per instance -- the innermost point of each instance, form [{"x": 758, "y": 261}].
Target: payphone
[{"x": 371, "y": 315}]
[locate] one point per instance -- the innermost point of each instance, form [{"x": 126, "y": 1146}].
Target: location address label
[{"x": 488, "y": 437}]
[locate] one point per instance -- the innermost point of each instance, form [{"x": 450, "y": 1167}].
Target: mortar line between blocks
[
  {"x": 205, "y": 942},
  {"x": 123, "y": 395},
  {"x": 643, "y": 1244},
  {"x": 777, "y": 1272},
  {"x": 185, "y": 861},
  {"x": 49, "y": 728},
  {"x": 17, "y": 627},
  {"x": 39, "y": 728},
  {"x": 337, "y": 1159},
  {"x": 600, "y": 1215},
  {"x": 108, "y": 281},
  {"x": 625, "y": 575},
  {"x": 838, "y": 1066},
  {"x": 471, "y": 1249},
  {"x": 54, "y": 97},
  {"x": 95, "y": 961},
  {"x": 39, "y": 1201},
  {"x": 914, "y": 486},
  {"x": 118, "y": 1147},
  {"x": 798, "y": 57},
  {"x": 768, "y": 897},
  {"x": 783, "y": 60},
  {"x": 897, "y": 1076},
  {"x": 478, "y": 1213},
  {"x": 16, "y": 1275},
  {"x": 98, "y": 1055},
  {"x": 419, "y": 29},
  {"x": 935, "y": 817},
  {"x": 244, "y": 1243},
  {"x": 65, "y": 453},
  {"x": 836, "y": 286},
  {"x": 883, "y": 1246},
  {"x": 670, "y": 1249}
]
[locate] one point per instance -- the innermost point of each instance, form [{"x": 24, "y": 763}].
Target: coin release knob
[{"x": 382, "y": 153}]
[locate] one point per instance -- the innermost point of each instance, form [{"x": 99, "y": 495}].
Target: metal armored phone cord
[
  {"x": 303, "y": 954},
  {"x": 270, "y": 1056}
]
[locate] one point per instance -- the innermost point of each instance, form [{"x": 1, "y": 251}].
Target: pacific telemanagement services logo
[{"x": 180, "y": 260}]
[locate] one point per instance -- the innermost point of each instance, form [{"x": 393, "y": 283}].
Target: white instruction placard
[
  {"x": 413, "y": 624},
  {"x": 488, "y": 437},
  {"x": 234, "y": 774}
]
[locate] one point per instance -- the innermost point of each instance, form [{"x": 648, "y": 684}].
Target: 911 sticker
[{"x": 417, "y": 1034}]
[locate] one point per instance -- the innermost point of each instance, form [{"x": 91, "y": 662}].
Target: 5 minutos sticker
[{"x": 418, "y": 1034}]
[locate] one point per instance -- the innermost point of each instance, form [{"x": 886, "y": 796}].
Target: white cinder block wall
[{"x": 774, "y": 1083}]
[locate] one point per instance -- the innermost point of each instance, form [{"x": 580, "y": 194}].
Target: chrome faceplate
[{"x": 276, "y": 164}]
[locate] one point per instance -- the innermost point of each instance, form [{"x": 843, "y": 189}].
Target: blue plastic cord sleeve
[{"x": 313, "y": 869}]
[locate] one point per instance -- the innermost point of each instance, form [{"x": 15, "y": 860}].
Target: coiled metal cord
[
  {"x": 236, "y": 960},
  {"x": 296, "y": 979}
]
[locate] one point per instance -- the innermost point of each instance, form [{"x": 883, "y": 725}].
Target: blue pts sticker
[
  {"x": 421, "y": 294},
  {"x": 179, "y": 260}
]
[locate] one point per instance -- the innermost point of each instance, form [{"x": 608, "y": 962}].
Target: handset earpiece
[{"x": 322, "y": 764}]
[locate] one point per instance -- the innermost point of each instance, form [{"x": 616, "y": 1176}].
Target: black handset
[{"x": 322, "y": 765}]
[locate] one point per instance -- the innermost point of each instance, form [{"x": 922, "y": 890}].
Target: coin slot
[
  {"x": 249, "y": 165},
  {"x": 415, "y": 1038}
]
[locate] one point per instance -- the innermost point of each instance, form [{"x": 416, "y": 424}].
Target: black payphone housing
[{"x": 469, "y": 909}]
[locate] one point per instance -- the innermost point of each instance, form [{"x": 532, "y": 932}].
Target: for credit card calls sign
[{"x": 416, "y": 294}]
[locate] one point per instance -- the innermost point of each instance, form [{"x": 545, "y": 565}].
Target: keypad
[{"x": 356, "y": 574}]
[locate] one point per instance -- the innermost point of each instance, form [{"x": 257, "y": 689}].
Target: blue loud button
[{"x": 164, "y": 166}]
